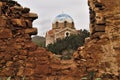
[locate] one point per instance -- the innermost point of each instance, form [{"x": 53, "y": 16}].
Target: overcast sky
[{"x": 47, "y": 10}]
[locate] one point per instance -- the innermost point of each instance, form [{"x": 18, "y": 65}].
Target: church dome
[{"x": 62, "y": 18}]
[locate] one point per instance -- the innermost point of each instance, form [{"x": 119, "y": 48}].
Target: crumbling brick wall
[
  {"x": 100, "y": 55},
  {"x": 19, "y": 57},
  {"x": 97, "y": 18}
]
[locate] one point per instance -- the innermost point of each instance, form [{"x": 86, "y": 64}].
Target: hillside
[{"x": 39, "y": 40}]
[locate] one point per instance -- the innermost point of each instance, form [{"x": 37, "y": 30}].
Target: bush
[{"x": 69, "y": 43}]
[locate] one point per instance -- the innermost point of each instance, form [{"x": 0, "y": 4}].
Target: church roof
[{"x": 62, "y": 18}]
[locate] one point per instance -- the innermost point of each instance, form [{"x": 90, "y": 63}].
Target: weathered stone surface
[
  {"x": 97, "y": 18},
  {"x": 5, "y": 33},
  {"x": 99, "y": 28},
  {"x": 31, "y": 16},
  {"x": 100, "y": 54},
  {"x": 2, "y": 21},
  {"x": 18, "y": 22},
  {"x": 26, "y": 10},
  {"x": 31, "y": 31},
  {"x": 1, "y": 4}
]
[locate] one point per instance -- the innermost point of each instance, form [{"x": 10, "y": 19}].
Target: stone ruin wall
[
  {"x": 97, "y": 18},
  {"x": 102, "y": 51},
  {"x": 106, "y": 27},
  {"x": 20, "y": 58}
]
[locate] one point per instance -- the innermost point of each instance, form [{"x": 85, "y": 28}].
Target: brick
[
  {"x": 31, "y": 16},
  {"x": 28, "y": 23},
  {"x": 18, "y": 22},
  {"x": 31, "y": 31},
  {"x": 1, "y": 4},
  {"x": 99, "y": 28},
  {"x": 2, "y": 21},
  {"x": 5, "y": 33}
]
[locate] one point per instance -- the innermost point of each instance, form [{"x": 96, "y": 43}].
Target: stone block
[
  {"x": 23, "y": 53},
  {"x": 8, "y": 71},
  {"x": 5, "y": 33},
  {"x": 20, "y": 71},
  {"x": 30, "y": 46},
  {"x": 31, "y": 16},
  {"x": 22, "y": 57},
  {"x": 87, "y": 39},
  {"x": 100, "y": 19},
  {"x": 9, "y": 63},
  {"x": 26, "y": 10},
  {"x": 0, "y": 11},
  {"x": 99, "y": 28},
  {"x": 1, "y": 55},
  {"x": 92, "y": 29},
  {"x": 28, "y": 23},
  {"x": 18, "y": 8},
  {"x": 31, "y": 31},
  {"x": 42, "y": 69},
  {"x": 8, "y": 57},
  {"x": 1, "y": 4},
  {"x": 97, "y": 35},
  {"x": 30, "y": 65},
  {"x": 17, "y": 46},
  {"x": 2, "y": 21},
  {"x": 18, "y": 22},
  {"x": 29, "y": 72}
]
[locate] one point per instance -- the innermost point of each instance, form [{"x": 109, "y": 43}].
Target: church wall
[
  {"x": 61, "y": 35},
  {"x": 53, "y": 26},
  {"x": 70, "y": 25},
  {"x": 62, "y": 25},
  {"x": 49, "y": 39}
]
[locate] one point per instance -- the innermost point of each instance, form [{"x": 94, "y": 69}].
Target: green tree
[{"x": 69, "y": 43}]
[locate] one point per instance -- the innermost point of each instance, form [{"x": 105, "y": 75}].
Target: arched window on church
[
  {"x": 65, "y": 24},
  {"x": 56, "y": 24},
  {"x": 72, "y": 24},
  {"x": 67, "y": 33}
]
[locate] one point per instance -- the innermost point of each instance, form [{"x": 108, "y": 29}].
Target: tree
[{"x": 69, "y": 43}]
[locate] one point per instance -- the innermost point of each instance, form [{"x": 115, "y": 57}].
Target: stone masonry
[
  {"x": 101, "y": 54},
  {"x": 19, "y": 57}
]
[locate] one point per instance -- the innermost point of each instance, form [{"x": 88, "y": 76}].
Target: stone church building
[{"x": 62, "y": 26}]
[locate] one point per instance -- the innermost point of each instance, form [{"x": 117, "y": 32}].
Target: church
[{"x": 62, "y": 26}]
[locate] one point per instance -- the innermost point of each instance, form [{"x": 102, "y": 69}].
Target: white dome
[{"x": 62, "y": 18}]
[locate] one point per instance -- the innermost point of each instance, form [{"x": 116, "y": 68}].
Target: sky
[{"x": 47, "y": 10}]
